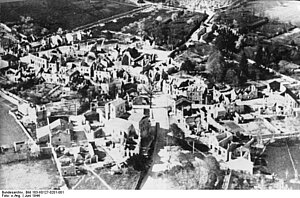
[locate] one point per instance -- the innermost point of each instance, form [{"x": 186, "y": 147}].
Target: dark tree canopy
[
  {"x": 225, "y": 41},
  {"x": 231, "y": 77},
  {"x": 188, "y": 65},
  {"x": 258, "y": 56},
  {"x": 243, "y": 64},
  {"x": 216, "y": 65}
]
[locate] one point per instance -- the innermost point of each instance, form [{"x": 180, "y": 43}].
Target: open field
[
  {"x": 279, "y": 162},
  {"x": 289, "y": 125},
  {"x": 285, "y": 11},
  {"x": 125, "y": 181},
  {"x": 256, "y": 128},
  {"x": 66, "y": 14},
  {"x": 34, "y": 175},
  {"x": 10, "y": 131},
  {"x": 10, "y": 1}
]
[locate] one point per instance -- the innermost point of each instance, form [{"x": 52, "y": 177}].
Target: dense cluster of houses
[
  {"x": 106, "y": 129},
  {"x": 222, "y": 113},
  {"x": 113, "y": 127}
]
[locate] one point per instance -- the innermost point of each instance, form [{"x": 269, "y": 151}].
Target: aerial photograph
[{"x": 149, "y": 95}]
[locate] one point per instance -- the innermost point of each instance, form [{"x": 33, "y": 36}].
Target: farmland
[
  {"x": 67, "y": 14},
  {"x": 10, "y": 131},
  {"x": 285, "y": 11},
  {"x": 37, "y": 174}
]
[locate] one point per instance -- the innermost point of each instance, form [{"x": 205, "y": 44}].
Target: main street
[{"x": 161, "y": 102}]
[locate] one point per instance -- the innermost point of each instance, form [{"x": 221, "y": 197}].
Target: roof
[
  {"x": 141, "y": 100},
  {"x": 84, "y": 64},
  {"x": 60, "y": 132},
  {"x": 117, "y": 102},
  {"x": 256, "y": 83},
  {"x": 204, "y": 109},
  {"x": 220, "y": 108},
  {"x": 240, "y": 163},
  {"x": 288, "y": 65},
  {"x": 233, "y": 127},
  {"x": 183, "y": 100},
  {"x": 3, "y": 64},
  {"x": 35, "y": 44},
  {"x": 139, "y": 58},
  {"x": 182, "y": 75},
  {"x": 53, "y": 59},
  {"x": 134, "y": 53},
  {"x": 289, "y": 92},
  {"x": 136, "y": 117},
  {"x": 247, "y": 116},
  {"x": 43, "y": 131},
  {"x": 275, "y": 82},
  {"x": 10, "y": 57},
  {"x": 117, "y": 123}
]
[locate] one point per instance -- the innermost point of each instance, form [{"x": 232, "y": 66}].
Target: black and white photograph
[{"x": 149, "y": 95}]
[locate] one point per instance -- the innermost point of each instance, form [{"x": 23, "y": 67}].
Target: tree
[
  {"x": 242, "y": 78},
  {"x": 253, "y": 75},
  {"x": 138, "y": 162},
  {"x": 44, "y": 31},
  {"x": 225, "y": 41},
  {"x": 188, "y": 65},
  {"x": 216, "y": 66},
  {"x": 231, "y": 77},
  {"x": 214, "y": 174},
  {"x": 259, "y": 56},
  {"x": 243, "y": 71},
  {"x": 243, "y": 64}
]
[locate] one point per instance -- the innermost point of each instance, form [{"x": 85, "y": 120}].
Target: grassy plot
[
  {"x": 67, "y": 14},
  {"x": 35, "y": 174}
]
